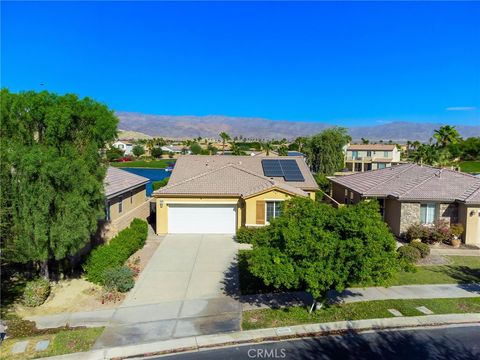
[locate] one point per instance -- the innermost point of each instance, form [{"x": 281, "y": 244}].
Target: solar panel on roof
[{"x": 288, "y": 169}]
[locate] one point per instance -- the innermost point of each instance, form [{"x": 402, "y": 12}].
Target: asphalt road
[{"x": 449, "y": 343}]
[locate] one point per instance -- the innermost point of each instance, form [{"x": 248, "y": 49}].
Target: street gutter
[{"x": 196, "y": 343}]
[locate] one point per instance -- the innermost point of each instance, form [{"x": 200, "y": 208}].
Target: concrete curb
[{"x": 272, "y": 334}]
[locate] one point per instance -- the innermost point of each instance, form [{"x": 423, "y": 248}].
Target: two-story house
[{"x": 365, "y": 157}]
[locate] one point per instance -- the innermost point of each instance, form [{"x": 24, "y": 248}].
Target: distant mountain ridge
[{"x": 211, "y": 125}]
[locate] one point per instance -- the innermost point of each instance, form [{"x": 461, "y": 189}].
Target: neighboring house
[
  {"x": 365, "y": 157},
  {"x": 174, "y": 149},
  {"x": 126, "y": 147},
  {"x": 415, "y": 194},
  {"x": 126, "y": 199},
  {"x": 219, "y": 194}
]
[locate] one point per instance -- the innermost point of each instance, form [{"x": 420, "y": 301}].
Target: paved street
[
  {"x": 180, "y": 293},
  {"x": 447, "y": 343}
]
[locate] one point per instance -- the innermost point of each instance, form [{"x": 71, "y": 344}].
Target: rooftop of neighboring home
[
  {"x": 238, "y": 176},
  {"x": 119, "y": 181},
  {"x": 413, "y": 182},
  {"x": 371, "y": 147}
]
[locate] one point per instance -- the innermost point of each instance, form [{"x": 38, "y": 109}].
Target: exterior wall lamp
[{"x": 161, "y": 203}]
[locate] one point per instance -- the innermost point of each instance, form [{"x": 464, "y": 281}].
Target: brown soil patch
[{"x": 69, "y": 296}]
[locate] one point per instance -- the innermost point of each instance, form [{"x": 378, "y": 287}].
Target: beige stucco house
[
  {"x": 365, "y": 157},
  {"x": 126, "y": 199},
  {"x": 412, "y": 193},
  {"x": 220, "y": 194}
]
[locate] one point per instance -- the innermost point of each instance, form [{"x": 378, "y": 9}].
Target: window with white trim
[
  {"x": 427, "y": 213},
  {"x": 273, "y": 209}
]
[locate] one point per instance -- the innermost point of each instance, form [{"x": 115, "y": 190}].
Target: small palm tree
[
  {"x": 267, "y": 146},
  {"x": 225, "y": 137}
]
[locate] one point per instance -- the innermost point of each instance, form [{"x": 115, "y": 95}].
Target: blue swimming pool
[{"x": 151, "y": 174}]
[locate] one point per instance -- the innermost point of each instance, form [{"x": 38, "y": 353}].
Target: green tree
[
  {"x": 317, "y": 248},
  {"x": 237, "y": 149},
  {"x": 282, "y": 150},
  {"x": 196, "y": 149},
  {"x": 114, "y": 153},
  {"x": 365, "y": 141},
  {"x": 52, "y": 168},
  {"x": 446, "y": 135},
  {"x": 157, "y": 152},
  {"x": 138, "y": 150},
  {"x": 225, "y": 137},
  {"x": 267, "y": 147},
  {"x": 325, "y": 150}
]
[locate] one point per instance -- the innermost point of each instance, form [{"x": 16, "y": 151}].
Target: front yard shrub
[
  {"x": 36, "y": 292},
  {"x": 409, "y": 253},
  {"x": 423, "y": 248},
  {"x": 440, "y": 233},
  {"x": 418, "y": 231},
  {"x": 252, "y": 235},
  {"x": 120, "y": 279},
  {"x": 116, "y": 252},
  {"x": 456, "y": 230}
]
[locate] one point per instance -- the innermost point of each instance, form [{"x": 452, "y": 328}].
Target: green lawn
[
  {"x": 155, "y": 164},
  {"x": 259, "y": 319},
  {"x": 470, "y": 166},
  {"x": 62, "y": 342},
  {"x": 464, "y": 269}
]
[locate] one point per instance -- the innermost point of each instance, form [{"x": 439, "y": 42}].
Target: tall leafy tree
[
  {"x": 53, "y": 173},
  {"x": 138, "y": 150},
  {"x": 446, "y": 135},
  {"x": 317, "y": 248},
  {"x": 325, "y": 150}
]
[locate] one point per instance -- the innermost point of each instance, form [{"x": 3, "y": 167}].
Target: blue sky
[{"x": 341, "y": 63}]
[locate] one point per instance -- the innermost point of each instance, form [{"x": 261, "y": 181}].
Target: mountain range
[{"x": 180, "y": 127}]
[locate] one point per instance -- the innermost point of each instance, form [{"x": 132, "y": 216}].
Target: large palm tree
[
  {"x": 225, "y": 137},
  {"x": 446, "y": 135}
]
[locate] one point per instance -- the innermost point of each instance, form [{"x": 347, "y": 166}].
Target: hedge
[
  {"x": 423, "y": 248},
  {"x": 116, "y": 252}
]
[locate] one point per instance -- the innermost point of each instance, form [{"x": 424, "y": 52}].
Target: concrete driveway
[{"x": 189, "y": 287}]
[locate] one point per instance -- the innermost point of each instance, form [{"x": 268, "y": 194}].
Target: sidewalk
[
  {"x": 197, "y": 343},
  {"x": 454, "y": 252},
  {"x": 153, "y": 312}
]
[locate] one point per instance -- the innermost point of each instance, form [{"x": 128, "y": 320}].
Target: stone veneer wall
[
  {"x": 114, "y": 227},
  {"x": 448, "y": 212},
  {"x": 409, "y": 214}
]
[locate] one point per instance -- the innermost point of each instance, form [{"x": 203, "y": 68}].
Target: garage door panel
[{"x": 201, "y": 219}]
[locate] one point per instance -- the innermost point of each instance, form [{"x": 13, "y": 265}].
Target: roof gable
[{"x": 118, "y": 181}]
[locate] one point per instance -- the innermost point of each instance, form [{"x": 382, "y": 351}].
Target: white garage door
[{"x": 201, "y": 219}]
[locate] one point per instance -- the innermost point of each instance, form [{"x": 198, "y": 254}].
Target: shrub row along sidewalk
[{"x": 105, "y": 265}]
